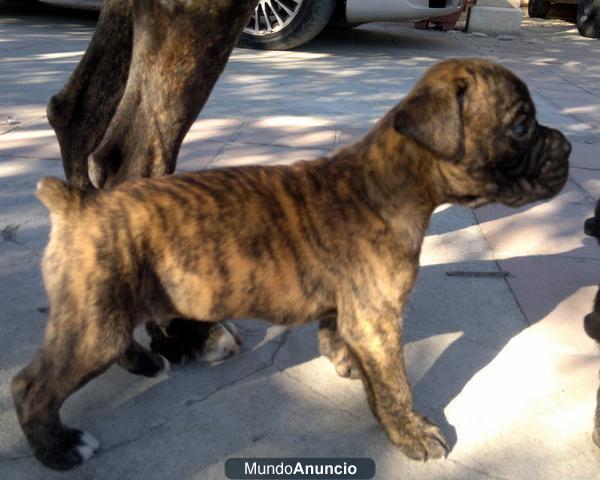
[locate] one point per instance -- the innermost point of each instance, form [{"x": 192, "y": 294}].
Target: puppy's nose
[
  {"x": 591, "y": 325},
  {"x": 589, "y": 226}
]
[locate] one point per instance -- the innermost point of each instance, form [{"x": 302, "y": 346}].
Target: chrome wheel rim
[{"x": 272, "y": 16}]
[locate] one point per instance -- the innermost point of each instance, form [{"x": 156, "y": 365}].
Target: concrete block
[
  {"x": 495, "y": 20},
  {"x": 499, "y": 3}
]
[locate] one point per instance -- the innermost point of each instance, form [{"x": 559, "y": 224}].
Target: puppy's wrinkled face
[{"x": 478, "y": 118}]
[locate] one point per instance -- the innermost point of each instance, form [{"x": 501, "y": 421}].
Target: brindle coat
[
  {"x": 592, "y": 320},
  {"x": 145, "y": 76},
  {"x": 335, "y": 238}
]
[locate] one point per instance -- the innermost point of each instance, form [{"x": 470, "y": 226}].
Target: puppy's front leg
[{"x": 375, "y": 337}]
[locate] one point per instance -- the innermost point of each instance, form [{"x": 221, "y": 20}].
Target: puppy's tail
[{"x": 58, "y": 196}]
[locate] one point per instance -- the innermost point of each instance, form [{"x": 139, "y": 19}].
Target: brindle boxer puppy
[
  {"x": 336, "y": 238},
  {"x": 592, "y": 320}
]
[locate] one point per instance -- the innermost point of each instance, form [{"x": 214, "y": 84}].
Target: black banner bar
[{"x": 300, "y": 468}]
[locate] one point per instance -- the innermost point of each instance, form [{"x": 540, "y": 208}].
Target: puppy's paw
[
  {"x": 70, "y": 448},
  {"x": 419, "y": 439},
  {"x": 87, "y": 446},
  {"x": 345, "y": 365},
  {"x": 344, "y": 362},
  {"x": 223, "y": 342}
]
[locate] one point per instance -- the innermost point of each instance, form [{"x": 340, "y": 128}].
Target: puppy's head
[{"x": 478, "y": 120}]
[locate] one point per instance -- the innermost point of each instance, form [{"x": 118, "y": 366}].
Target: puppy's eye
[{"x": 520, "y": 129}]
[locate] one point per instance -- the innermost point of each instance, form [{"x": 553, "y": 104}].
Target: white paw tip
[
  {"x": 89, "y": 441},
  {"x": 85, "y": 452},
  {"x": 166, "y": 365}
]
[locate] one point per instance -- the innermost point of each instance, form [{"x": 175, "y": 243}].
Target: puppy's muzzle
[{"x": 543, "y": 171}]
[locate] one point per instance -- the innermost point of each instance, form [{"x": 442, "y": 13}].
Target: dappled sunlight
[
  {"x": 26, "y": 135},
  {"x": 239, "y": 155},
  {"x": 37, "y": 141},
  {"x": 291, "y": 122},
  {"x": 54, "y": 56},
  {"x": 212, "y": 129},
  {"x": 452, "y": 237},
  {"x": 582, "y": 109},
  {"x": 13, "y": 168},
  {"x": 299, "y": 131},
  {"x": 579, "y": 128},
  {"x": 460, "y": 245}
]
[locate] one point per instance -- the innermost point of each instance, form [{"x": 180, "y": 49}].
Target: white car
[{"x": 284, "y": 24}]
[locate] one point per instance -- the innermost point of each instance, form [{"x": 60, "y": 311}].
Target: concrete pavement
[{"x": 503, "y": 365}]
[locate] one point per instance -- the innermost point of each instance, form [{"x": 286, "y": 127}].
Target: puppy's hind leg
[
  {"x": 332, "y": 346},
  {"x": 179, "y": 339},
  {"x": 75, "y": 350},
  {"x": 183, "y": 339}
]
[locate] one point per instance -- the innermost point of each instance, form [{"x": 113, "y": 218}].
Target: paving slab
[{"x": 500, "y": 363}]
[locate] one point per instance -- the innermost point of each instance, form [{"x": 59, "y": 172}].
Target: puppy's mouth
[{"x": 542, "y": 172}]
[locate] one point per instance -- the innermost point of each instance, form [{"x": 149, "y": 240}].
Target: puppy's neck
[{"x": 398, "y": 178}]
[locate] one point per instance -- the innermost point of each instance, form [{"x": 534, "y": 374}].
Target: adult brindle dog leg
[
  {"x": 81, "y": 112},
  {"x": 144, "y": 78}
]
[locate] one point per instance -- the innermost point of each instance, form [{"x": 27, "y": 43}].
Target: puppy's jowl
[{"x": 334, "y": 239}]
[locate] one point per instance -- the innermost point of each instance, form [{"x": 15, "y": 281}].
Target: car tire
[
  {"x": 306, "y": 21},
  {"x": 538, "y": 8},
  {"x": 588, "y": 18}
]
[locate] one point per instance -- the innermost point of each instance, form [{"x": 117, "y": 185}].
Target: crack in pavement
[
  {"x": 321, "y": 395},
  {"x": 194, "y": 401},
  {"x": 9, "y": 458},
  {"x": 477, "y": 470}
]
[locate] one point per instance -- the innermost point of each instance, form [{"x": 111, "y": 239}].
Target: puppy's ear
[{"x": 432, "y": 116}]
